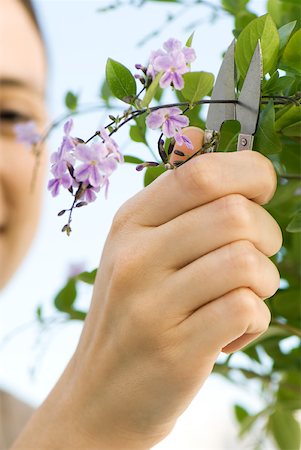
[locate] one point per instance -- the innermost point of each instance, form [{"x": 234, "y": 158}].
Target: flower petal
[
  {"x": 189, "y": 54},
  {"x": 83, "y": 152},
  {"x": 154, "y": 119},
  {"x": 178, "y": 81},
  {"x": 166, "y": 80},
  {"x": 162, "y": 63},
  {"x": 168, "y": 128},
  {"x": 54, "y": 187},
  {"x": 172, "y": 44},
  {"x": 68, "y": 126},
  {"x": 94, "y": 178},
  {"x": 82, "y": 172},
  {"x": 180, "y": 121}
]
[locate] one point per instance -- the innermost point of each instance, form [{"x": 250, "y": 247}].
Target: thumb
[{"x": 196, "y": 135}]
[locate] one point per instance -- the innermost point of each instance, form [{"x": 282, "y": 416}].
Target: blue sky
[{"x": 80, "y": 41}]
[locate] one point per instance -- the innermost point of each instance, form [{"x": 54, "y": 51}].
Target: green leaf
[
  {"x": 132, "y": 159},
  {"x": 66, "y": 297},
  {"x": 266, "y": 140},
  {"x": 234, "y": 6},
  {"x": 278, "y": 85},
  {"x": 262, "y": 28},
  {"x": 138, "y": 131},
  {"x": 87, "y": 277},
  {"x": 229, "y": 136},
  {"x": 71, "y": 101},
  {"x": 197, "y": 85},
  {"x": 39, "y": 313},
  {"x": 284, "y": 33},
  {"x": 283, "y": 11},
  {"x": 243, "y": 18},
  {"x": 285, "y": 304},
  {"x": 291, "y": 57},
  {"x": 121, "y": 81},
  {"x": 240, "y": 413},
  {"x": 189, "y": 40},
  {"x": 292, "y": 130},
  {"x": 151, "y": 90},
  {"x": 75, "y": 314},
  {"x": 290, "y": 384},
  {"x": 285, "y": 429},
  {"x": 289, "y": 116},
  {"x": 295, "y": 224},
  {"x": 152, "y": 173}
]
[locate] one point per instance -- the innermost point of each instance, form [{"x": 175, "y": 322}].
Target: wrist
[{"x": 63, "y": 421}]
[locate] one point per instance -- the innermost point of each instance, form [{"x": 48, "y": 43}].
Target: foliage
[{"x": 274, "y": 363}]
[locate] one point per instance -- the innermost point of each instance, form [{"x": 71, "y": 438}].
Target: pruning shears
[{"x": 247, "y": 105}]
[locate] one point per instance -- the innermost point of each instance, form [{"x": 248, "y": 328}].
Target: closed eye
[{"x": 13, "y": 116}]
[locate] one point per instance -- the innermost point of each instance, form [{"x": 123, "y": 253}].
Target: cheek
[
  {"x": 19, "y": 206},
  {"x": 17, "y": 168}
]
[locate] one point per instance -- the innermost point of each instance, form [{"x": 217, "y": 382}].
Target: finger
[
  {"x": 199, "y": 181},
  {"x": 227, "y": 323},
  {"x": 236, "y": 265},
  {"x": 215, "y": 224},
  {"x": 196, "y": 135}
]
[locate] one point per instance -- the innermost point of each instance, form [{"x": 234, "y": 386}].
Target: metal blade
[
  {"x": 224, "y": 89},
  {"x": 247, "y": 108}
]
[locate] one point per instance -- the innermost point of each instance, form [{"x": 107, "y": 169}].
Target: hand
[{"x": 183, "y": 276}]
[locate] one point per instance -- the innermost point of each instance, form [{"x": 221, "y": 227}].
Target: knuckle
[
  {"x": 243, "y": 257},
  {"x": 199, "y": 174},
  {"x": 237, "y": 212},
  {"x": 121, "y": 217},
  {"x": 242, "y": 306}
]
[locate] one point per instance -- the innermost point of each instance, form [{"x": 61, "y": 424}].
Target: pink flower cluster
[
  {"x": 97, "y": 161},
  {"x": 174, "y": 61},
  {"x": 172, "y": 121}
]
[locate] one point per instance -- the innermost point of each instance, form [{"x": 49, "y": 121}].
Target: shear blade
[
  {"x": 224, "y": 89},
  {"x": 247, "y": 108}
]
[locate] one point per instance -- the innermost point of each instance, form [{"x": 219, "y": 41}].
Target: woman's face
[{"x": 22, "y": 85}]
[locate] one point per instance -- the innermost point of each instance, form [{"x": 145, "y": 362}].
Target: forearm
[{"x": 60, "y": 423}]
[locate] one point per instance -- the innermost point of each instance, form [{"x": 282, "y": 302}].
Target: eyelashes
[{"x": 13, "y": 116}]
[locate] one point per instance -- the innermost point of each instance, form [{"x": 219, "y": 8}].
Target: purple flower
[
  {"x": 27, "y": 133},
  {"x": 173, "y": 62},
  {"x": 111, "y": 145},
  {"x": 172, "y": 121},
  {"x": 63, "y": 156},
  {"x": 174, "y": 66},
  {"x": 54, "y": 184},
  {"x": 95, "y": 163},
  {"x": 89, "y": 194},
  {"x": 151, "y": 72}
]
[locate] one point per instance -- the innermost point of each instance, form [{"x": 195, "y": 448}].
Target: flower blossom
[
  {"x": 63, "y": 156},
  {"x": 173, "y": 62},
  {"x": 27, "y": 133},
  {"x": 111, "y": 145},
  {"x": 172, "y": 121},
  {"x": 62, "y": 178},
  {"x": 95, "y": 163}
]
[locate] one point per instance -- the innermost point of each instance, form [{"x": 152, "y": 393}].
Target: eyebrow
[{"x": 18, "y": 82}]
